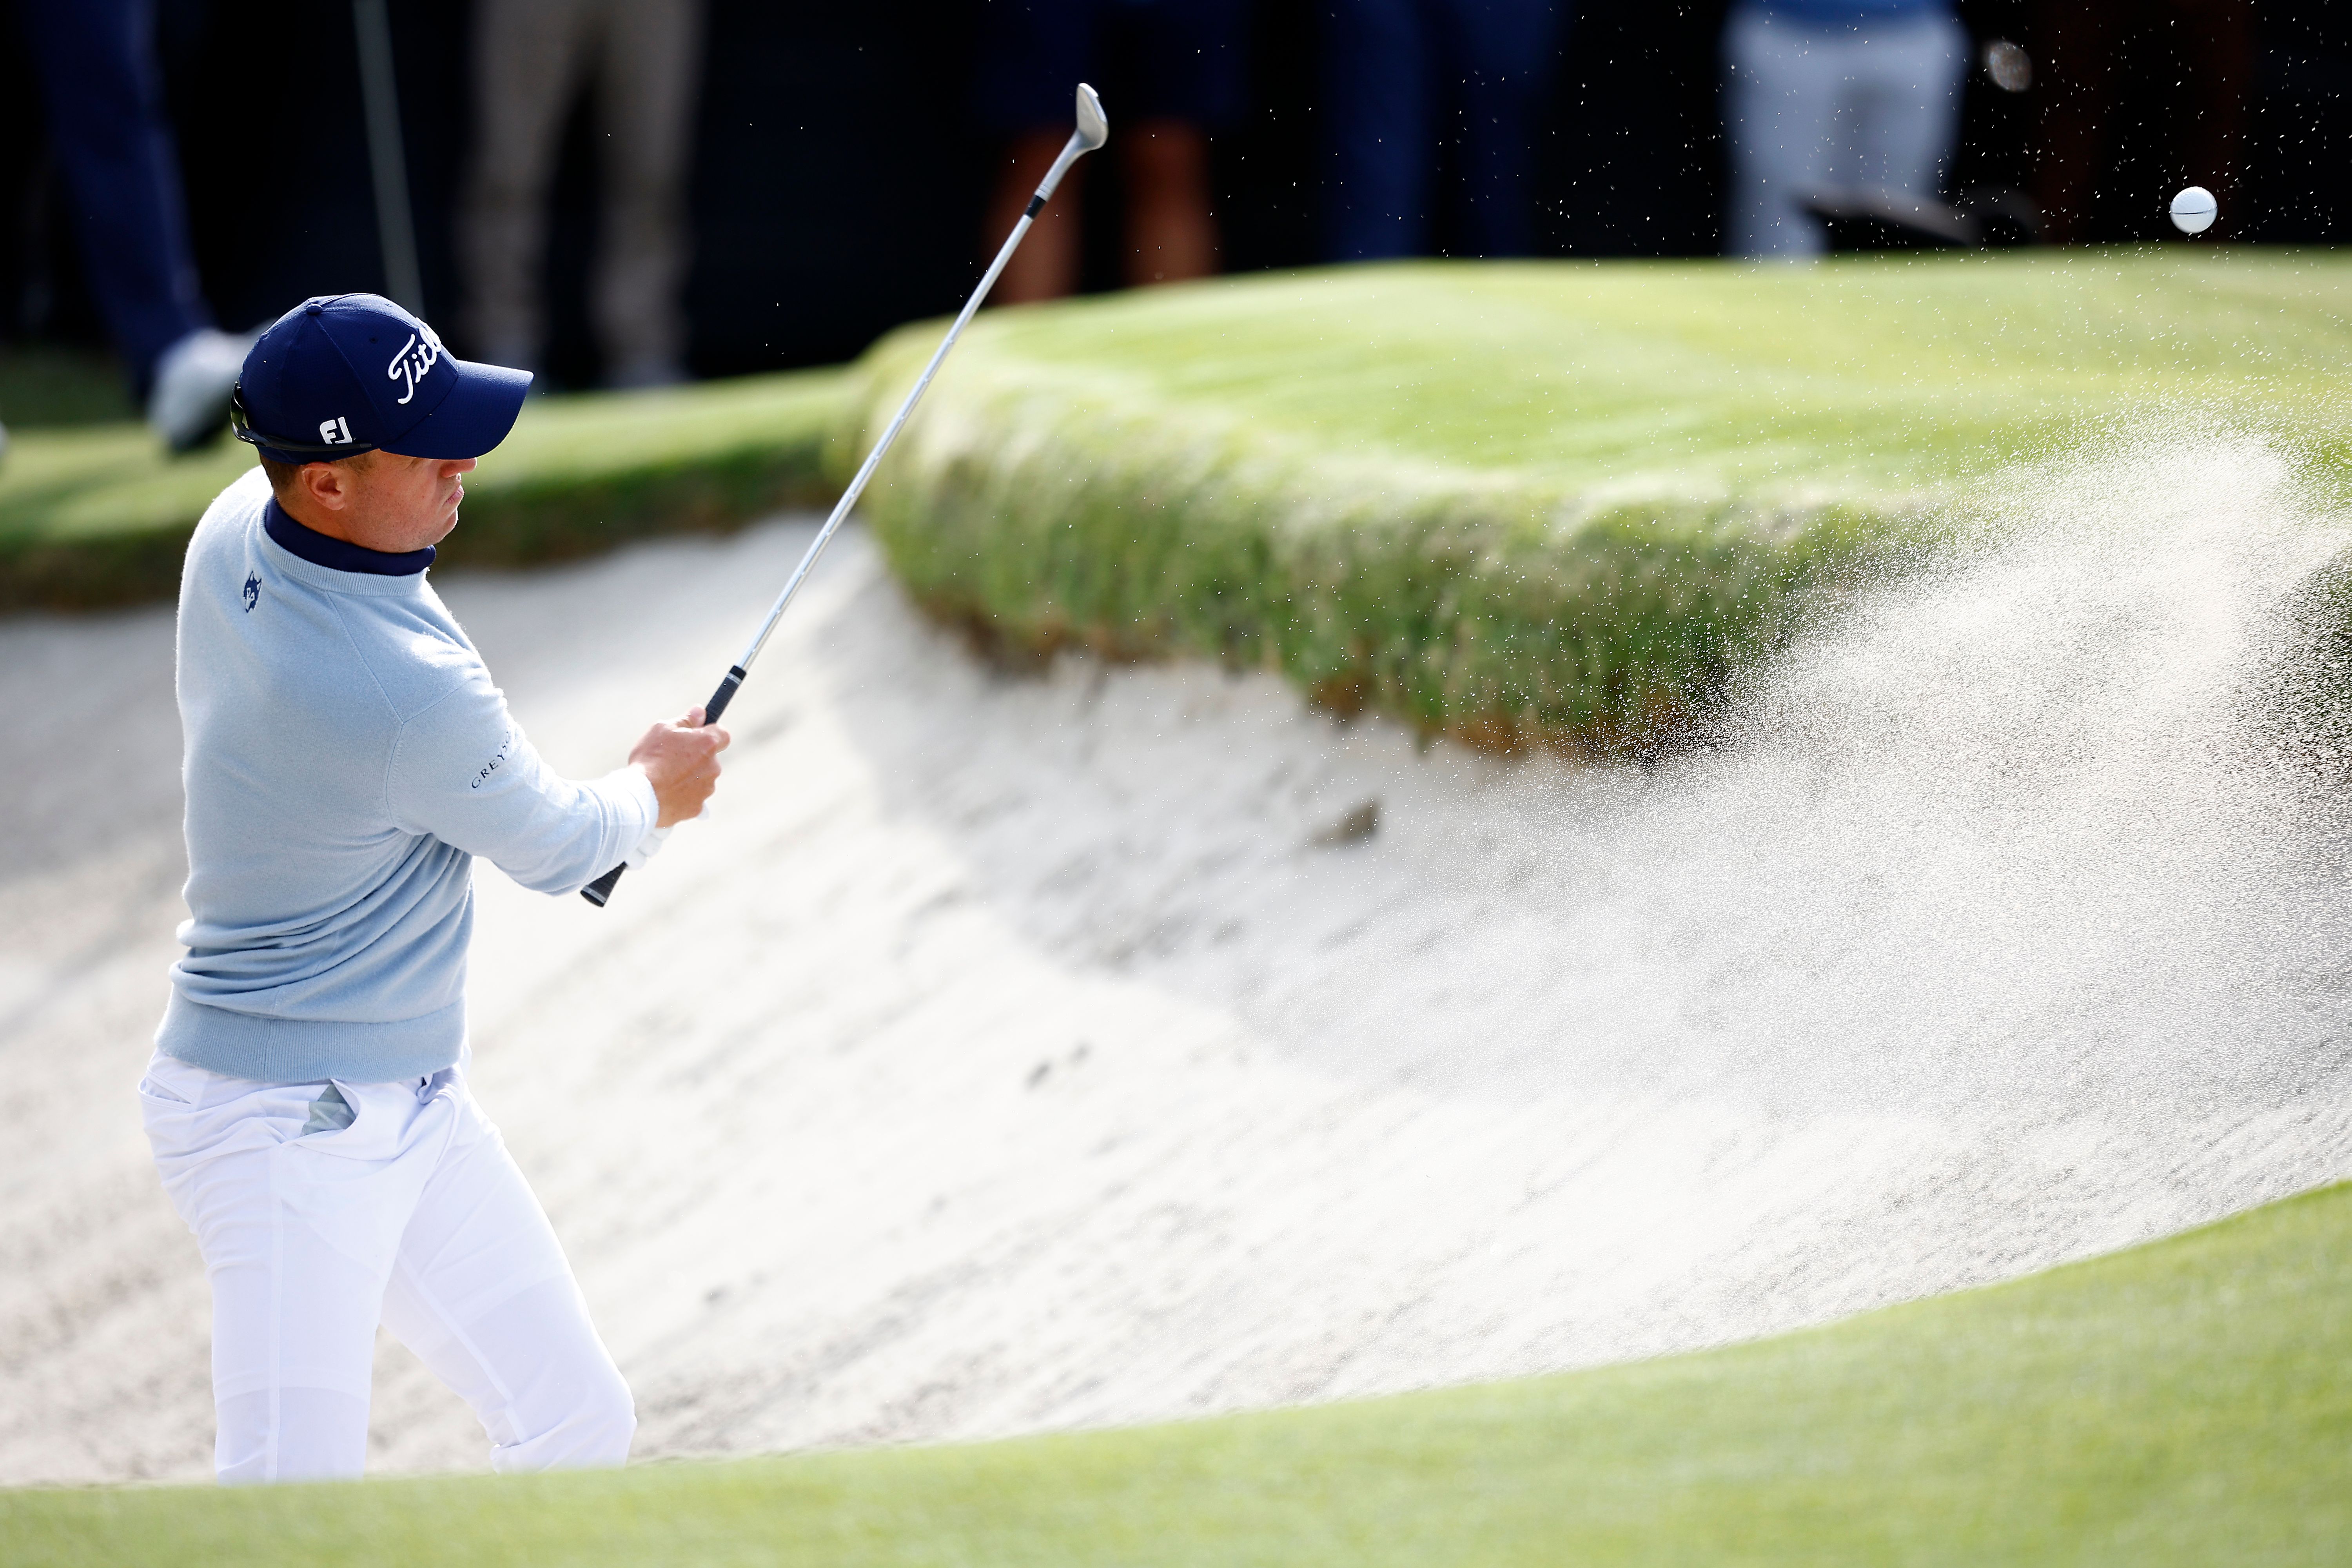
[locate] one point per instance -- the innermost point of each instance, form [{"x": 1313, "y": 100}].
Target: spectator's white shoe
[{"x": 189, "y": 406}]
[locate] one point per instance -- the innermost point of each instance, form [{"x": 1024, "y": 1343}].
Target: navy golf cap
[{"x": 345, "y": 373}]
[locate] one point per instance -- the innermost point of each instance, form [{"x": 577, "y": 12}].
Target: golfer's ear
[{"x": 324, "y": 483}]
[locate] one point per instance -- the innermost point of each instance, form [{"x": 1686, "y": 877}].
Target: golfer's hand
[{"x": 682, "y": 760}]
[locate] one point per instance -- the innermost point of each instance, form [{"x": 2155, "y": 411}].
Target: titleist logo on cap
[{"x": 416, "y": 356}]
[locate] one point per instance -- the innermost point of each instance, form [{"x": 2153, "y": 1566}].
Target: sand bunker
[{"x": 1024, "y": 1051}]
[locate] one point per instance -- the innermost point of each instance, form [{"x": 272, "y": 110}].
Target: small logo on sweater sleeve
[
  {"x": 495, "y": 763},
  {"x": 252, "y": 593}
]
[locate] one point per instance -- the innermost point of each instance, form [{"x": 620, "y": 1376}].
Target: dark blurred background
[{"x": 839, "y": 176}]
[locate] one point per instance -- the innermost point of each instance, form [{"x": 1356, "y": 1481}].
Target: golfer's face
[{"x": 416, "y": 497}]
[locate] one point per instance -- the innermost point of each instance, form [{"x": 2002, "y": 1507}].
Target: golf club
[{"x": 1093, "y": 131}]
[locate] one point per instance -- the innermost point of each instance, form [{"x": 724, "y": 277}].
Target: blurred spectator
[
  {"x": 1400, "y": 79},
  {"x": 104, "y": 94},
  {"x": 530, "y": 60},
  {"x": 1824, "y": 95},
  {"x": 1170, "y": 72},
  {"x": 2082, "y": 43}
]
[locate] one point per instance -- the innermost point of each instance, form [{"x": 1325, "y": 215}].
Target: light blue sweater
[{"x": 347, "y": 758}]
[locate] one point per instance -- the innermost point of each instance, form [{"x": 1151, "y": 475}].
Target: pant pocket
[
  {"x": 149, "y": 1089},
  {"x": 331, "y": 1112}
]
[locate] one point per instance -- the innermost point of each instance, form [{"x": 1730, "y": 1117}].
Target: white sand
[{"x": 1007, "y": 1054}]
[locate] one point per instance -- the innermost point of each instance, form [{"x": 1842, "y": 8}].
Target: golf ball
[{"x": 2192, "y": 210}]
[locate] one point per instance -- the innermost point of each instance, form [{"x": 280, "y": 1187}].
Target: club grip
[
  {"x": 600, "y": 891},
  {"x": 597, "y": 891},
  {"x": 724, "y": 695}
]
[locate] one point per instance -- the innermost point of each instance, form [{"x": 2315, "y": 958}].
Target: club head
[{"x": 1094, "y": 126}]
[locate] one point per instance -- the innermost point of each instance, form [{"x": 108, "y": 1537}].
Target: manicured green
[
  {"x": 2186, "y": 1403},
  {"x": 97, "y": 514},
  {"x": 1551, "y": 501}
]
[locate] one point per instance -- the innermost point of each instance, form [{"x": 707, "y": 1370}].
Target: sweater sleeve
[{"x": 463, "y": 771}]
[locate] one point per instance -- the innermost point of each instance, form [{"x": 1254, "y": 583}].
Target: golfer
[{"x": 348, "y": 756}]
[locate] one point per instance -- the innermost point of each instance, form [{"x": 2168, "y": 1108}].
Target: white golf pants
[
  {"x": 412, "y": 1215},
  {"x": 1811, "y": 108}
]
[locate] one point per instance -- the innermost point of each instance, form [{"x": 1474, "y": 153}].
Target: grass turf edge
[
  {"x": 1542, "y": 503},
  {"x": 2186, "y": 1401},
  {"x": 94, "y": 517},
  {"x": 1503, "y": 610}
]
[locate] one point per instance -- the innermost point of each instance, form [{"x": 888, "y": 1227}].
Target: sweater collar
[{"x": 339, "y": 554}]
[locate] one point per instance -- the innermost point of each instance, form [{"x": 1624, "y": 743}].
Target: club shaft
[
  {"x": 598, "y": 892},
  {"x": 866, "y": 471}
]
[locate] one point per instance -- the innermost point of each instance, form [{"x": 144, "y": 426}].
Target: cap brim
[{"x": 474, "y": 417}]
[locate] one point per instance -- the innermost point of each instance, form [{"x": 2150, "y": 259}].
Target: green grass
[
  {"x": 42, "y": 384},
  {"x": 1538, "y": 502},
  {"x": 96, "y": 514},
  {"x": 2188, "y": 1402},
  {"x": 1542, "y": 500}
]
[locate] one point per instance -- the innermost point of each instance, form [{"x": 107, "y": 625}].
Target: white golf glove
[
  {"x": 650, "y": 845},
  {"x": 647, "y": 848}
]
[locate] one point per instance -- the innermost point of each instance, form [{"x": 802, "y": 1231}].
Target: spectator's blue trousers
[
  {"x": 105, "y": 97},
  {"x": 1403, "y": 76}
]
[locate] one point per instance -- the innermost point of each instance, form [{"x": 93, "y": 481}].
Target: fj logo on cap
[
  {"x": 418, "y": 355},
  {"x": 337, "y": 430}
]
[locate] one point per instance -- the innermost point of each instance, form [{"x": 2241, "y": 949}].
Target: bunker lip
[{"x": 1531, "y": 505}]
